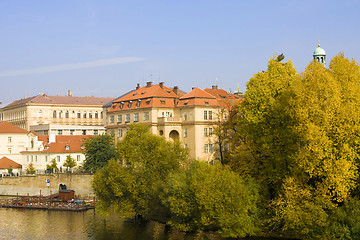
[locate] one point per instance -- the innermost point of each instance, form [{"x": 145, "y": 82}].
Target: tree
[
  {"x": 30, "y": 169},
  {"x": 69, "y": 162},
  {"x": 99, "y": 151},
  {"x": 302, "y": 143},
  {"x": 211, "y": 197},
  {"x": 52, "y": 167},
  {"x": 133, "y": 187},
  {"x": 10, "y": 170}
]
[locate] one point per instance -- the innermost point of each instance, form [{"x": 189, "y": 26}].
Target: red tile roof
[
  {"x": 44, "y": 99},
  {"x": 5, "y": 163},
  {"x": 148, "y": 96},
  {"x": 74, "y": 143},
  {"x": 6, "y": 127}
]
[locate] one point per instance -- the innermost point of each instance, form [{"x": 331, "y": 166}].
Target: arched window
[
  {"x": 67, "y": 114},
  {"x": 96, "y": 115},
  {"x": 54, "y": 114},
  {"x": 60, "y": 114},
  {"x": 40, "y": 114},
  {"x": 78, "y": 114},
  {"x": 84, "y": 115},
  {"x": 90, "y": 114},
  {"x": 73, "y": 114}
]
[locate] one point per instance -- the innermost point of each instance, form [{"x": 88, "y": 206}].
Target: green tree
[
  {"x": 133, "y": 187},
  {"x": 10, "y": 170},
  {"x": 211, "y": 197},
  {"x": 302, "y": 143},
  {"x": 52, "y": 167},
  {"x": 99, "y": 151},
  {"x": 70, "y": 162},
  {"x": 30, "y": 169}
]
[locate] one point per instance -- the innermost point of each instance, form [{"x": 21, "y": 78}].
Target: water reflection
[{"x": 42, "y": 224}]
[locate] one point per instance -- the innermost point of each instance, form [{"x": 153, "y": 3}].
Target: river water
[{"x": 44, "y": 224}]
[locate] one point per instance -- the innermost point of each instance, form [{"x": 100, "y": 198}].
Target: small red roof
[
  {"x": 5, "y": 163},
  {"x": 6, "y": 127},
  {"x": 45, "y": 99},
  {"x": 62, "y": 144}
]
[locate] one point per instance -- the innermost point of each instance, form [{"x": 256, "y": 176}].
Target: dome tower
[{"x": 320, "y": 55}]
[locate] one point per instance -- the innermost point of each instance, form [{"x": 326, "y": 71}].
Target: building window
[
  {"x": 83, "y": 132},
  {"x": 27, "y": 158},
  {"x": 225, "y": 116},
  {"x": 211, "y": 148},
  {"x": 96, "y": 115},
  {"x": 120, "y": 133},
  {"x": 96, "y": 132},
  {"x": 210, "y": 115},
  {"x": 185, "y": 116},
  {"x": 185, "y": 145},
  {"x": 67, "y": 147},
  {"x": 9, "y": 150},
  {"x": 54, "y": 114},
  {"x": 90, "y": 114},
  {"x": 32, "y": 158},
  {"x": 146, "y": 116},
  {"x": 206, "y": 103},
  {"x": 130, "y": 104},
  {"x": 35, "y": 158},
  {"x": 112, "y": 132},
  {"x": 185, "y": 132},
  {"x": 127, "y": 118},
  {"x": 111, "y": 119},
  {"x": 60, "y": 132},
  {"x": 67, "y": 114},
  {"x": 119, "y": 118},
  {"x": 73, "y": 114},
  {"x": 79, "y": 115},
  {"x": 9, "y": 139},
  {"x": 205, "y": 115},
  {"x": 60, "y": 114},
  {"x": 206, "y": 148},
  {"x": 136, "y": 117},
  {"x": 58, "y": 158},
  {"x": 210, "y": 132},
  {"x": 138, "y": 103},
  {"x": 72, "y": 131},
  {"x": 40, "y": 114},
  {"x": 205, "y": 132},
  {"x": 84, "y": 115},
  {"x": 46, "y": 158},
  {"x": 162, "y": 102},
  {"x": 78, "y": 158}
]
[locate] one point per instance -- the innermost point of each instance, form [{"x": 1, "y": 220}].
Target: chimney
[
  {"x": 70, "y": 93},
  {"x": 148, "y": 84},
  {"x": 161, "y": 85},
  {"x": 176, "y": 89},
  {"x": 137, "y": 86},
  {"x": 215, "y": 87}
]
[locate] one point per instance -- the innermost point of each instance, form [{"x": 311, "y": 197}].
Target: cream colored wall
[
  {"x": 40, "y": 161},
  {"x": 25, "y": 116},
  {"x": 19, "y": 142}
]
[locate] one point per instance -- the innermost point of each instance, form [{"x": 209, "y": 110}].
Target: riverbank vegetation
[{"x": 290, "y": 168}]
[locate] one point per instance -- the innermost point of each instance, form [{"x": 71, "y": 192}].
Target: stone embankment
[{"x": 33, "y": 184}]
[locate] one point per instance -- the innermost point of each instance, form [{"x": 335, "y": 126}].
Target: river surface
[{"x": 44, "y": 224}]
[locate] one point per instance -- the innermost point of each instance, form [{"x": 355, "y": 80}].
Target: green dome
[{"x": 319, "y": 51}]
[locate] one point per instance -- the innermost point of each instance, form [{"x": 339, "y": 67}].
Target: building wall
[
  {"x": 32, "y": 185},
  {"x": 35, "y": 114},
  {"x": 40, "y": 160},
  {"x": 19, "y": 142}
]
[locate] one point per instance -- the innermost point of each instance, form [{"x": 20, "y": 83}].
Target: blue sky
[{"x": 105, "y": 47}]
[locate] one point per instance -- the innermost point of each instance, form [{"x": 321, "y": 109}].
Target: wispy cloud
[{"x": 65, "y": 67}]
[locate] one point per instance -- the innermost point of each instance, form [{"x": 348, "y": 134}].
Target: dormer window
[
  {"x": 114, "y": 106},
  {"x": 162, "y": 102},
  {"x": 148, "y": 102},
  {"x": 130, "y": 103},
  {"x": 138, "y": 103},
  {"x": 67, "y": 147},
  {"x": 206, "y": 103},
  {"x": 46, "y": 147},
  {"x": 121, "y": 105}
]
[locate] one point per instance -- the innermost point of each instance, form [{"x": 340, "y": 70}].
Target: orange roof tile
[
  {"x": 44, "y": 99},
  {"x": 197, "y": 93},
  {"x": 6, "y": 127},
  {"x": 5, "y": 163},
  {"x": 74, "y": 143}
]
